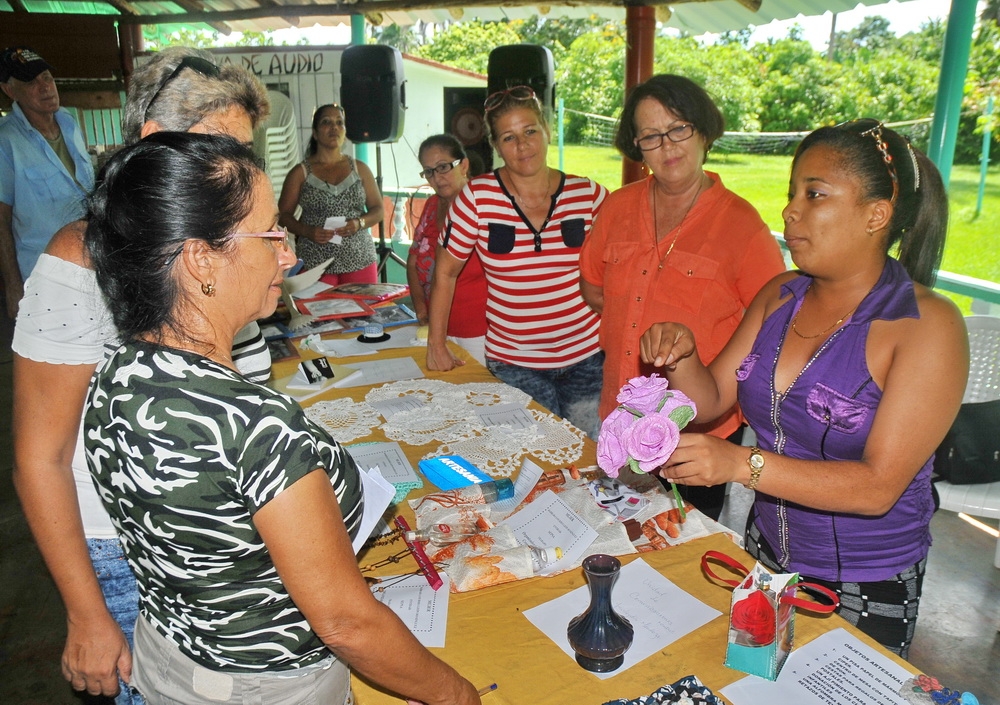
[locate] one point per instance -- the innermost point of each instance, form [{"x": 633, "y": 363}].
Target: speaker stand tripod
[{"x": 383, "y": 249}]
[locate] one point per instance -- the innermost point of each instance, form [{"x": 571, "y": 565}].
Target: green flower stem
[
  {"x": 635, "y": 412},
  {"x": 680, "y": 502}
]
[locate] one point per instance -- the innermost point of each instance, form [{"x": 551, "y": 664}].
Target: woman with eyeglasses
[
  {"x": 236, "y": 512},
  {"x": 62, "y": 333},
  {"x": 850, "y": 371},
  {"x": 329, "y": 184},
  {"x": 676, "y": 246},
  {"x": 527, "y": 222},
  {"x": 447, "y": 169}
]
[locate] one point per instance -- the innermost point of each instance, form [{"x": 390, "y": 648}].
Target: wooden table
[{"x": 490, "y": 641}]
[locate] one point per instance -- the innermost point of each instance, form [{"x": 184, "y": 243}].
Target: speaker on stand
[
  {"x": 373, "y": 94},
  {"x": 523, "y": 65},
  {"x": 464, "y": 118}
]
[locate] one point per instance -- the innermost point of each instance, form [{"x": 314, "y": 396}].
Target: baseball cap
[{"x": 21, "y": 63}]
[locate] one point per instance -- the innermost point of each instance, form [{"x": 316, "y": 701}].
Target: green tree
[
  {"x": 590, "y": 77},
  {"x": 467, "y": 45},
  {"x": 403, "y": 38}
]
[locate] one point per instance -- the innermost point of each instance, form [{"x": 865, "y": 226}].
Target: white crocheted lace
[
  {"x": 345, "y": 419},
  {"x": 450, "y": 416}
]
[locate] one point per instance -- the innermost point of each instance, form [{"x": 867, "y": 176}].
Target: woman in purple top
[{"x": 850, "y": 370}]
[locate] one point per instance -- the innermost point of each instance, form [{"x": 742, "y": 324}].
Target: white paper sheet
[
  {"x": 312, "y": 290},
  {"x": 423, "y": 610},
  {"x": 387, "y": 457},
  {"x": 382, "y": 371},
  {"x": 548, "y": 522},
  {"x": 527, "y": 478},
  {"x": 513, "y": 415},
  {"x": 304, "y": 279},
  {"x": 400, "y": 337},
  {"x": 832, "y": 669},
  {"x": 389, "y": 407},
  {"x": 660, "y": 612},
  {"x": 335, "y": 222},
  {"x": 378, "y": 494}
]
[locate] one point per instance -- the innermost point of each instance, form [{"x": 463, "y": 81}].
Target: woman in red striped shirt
[{"x": 527, "y": 222}]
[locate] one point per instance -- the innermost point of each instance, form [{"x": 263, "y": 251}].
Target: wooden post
[{"x": 640, "y": 34}]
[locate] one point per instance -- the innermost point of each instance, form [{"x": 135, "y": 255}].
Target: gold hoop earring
[{"x": 208, "y": 289}]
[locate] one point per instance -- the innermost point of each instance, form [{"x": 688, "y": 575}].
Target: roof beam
[
  {"x": 362, "y": 7},
  {"x": 17, "y": 6},
  {"x": 124, "y": 7},
  {"x": 290, "y": 19},
  {"x": 195, "y": 7}
]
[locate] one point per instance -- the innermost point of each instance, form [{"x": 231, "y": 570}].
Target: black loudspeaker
[
  {"x": 523, "y": 65},
  {"x": 464, "y": 118},
  {"x": 372, "y": 92}
]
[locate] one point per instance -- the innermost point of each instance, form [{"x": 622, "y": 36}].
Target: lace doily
[
  {"x": 345, "y": 419},
  {"x": 450, "y": 411},
  {"x": 498, "y": 450},
  {"x": 450, "y": 415}
]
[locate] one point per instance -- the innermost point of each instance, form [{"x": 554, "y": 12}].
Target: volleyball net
[{"x": 600, "y": 130}]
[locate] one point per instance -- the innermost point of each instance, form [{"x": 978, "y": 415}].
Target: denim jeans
[
  {"x": 121, "y": 593},
  {"x": 572, "y": 392}
]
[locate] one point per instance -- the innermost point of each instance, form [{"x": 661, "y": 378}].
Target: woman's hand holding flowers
[{"x": 666, "y": 344}]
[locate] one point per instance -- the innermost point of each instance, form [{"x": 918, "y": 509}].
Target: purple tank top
[{"x": 827, "y": 414}]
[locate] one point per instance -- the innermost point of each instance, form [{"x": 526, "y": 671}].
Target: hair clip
[{"x": 916, "y": 165}]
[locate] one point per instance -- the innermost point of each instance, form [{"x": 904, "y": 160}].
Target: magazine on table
[
  {"x": 373, "y": 292},
  {"x": 330, "y": 306},
  {"x": 385, "y": 315}
]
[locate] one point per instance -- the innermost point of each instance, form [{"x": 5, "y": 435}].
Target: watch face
[{"x": 756, "y": 460}]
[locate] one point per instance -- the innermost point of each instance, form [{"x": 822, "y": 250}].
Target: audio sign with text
[{"x": 278, "y": 63}]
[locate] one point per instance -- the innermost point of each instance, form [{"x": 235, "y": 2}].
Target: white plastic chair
[{"x": 982, "y": 500}]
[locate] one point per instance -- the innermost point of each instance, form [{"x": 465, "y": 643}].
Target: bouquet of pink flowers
[{"x": 645, "y": 428}]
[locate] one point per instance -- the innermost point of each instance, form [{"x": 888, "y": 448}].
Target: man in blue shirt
[{"x": 45, "y": 171}]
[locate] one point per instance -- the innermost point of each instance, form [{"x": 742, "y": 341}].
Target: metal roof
[{"x": 693, "y": 16}]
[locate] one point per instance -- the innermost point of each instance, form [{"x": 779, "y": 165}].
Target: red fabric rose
[{"x": 754, "y": 615}]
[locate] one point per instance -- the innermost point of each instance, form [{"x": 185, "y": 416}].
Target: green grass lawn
[{"x": 971, "y": 248}]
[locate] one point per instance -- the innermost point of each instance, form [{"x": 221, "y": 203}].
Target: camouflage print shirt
[{"x": 183, "y": 452}]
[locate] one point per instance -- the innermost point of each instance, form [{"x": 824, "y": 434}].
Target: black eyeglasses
[
  {"x": 495, "y": 100},
  {"x": 647, "y": 143},
  {"x": 442, "y": 168},
  {"x": 195, "y": 63},
  {"x": 875, "y": 131}
]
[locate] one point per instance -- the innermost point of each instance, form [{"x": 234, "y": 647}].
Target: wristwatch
[{"x": 756, "y": 463}]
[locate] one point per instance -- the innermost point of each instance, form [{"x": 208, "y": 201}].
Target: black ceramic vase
[{"x": 600, "y": 636}]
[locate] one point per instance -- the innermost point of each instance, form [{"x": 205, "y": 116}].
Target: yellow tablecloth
[{"x": 490, "y": 641}]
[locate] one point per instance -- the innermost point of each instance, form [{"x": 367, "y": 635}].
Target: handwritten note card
[
  {"x": 387, "y": 457},
  {"x": 832, "y": 669},
  {"x": 512, "y": 415},
  {"x": 549, "y": 522},
  {"x": 381, "y": 371},
  {"x": 660, "y": 612},
  {"x": 389, "y": 407},
  {"x": 423, "y": 610}
]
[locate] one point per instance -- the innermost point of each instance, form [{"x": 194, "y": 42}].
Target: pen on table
[{"x": 488, "y": 689}]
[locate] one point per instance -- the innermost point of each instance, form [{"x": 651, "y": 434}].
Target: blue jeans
[
  {"x": 121, "y": 593},
  {"x": 572, "y": 392}
]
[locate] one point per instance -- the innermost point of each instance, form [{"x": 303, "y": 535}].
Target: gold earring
[
  {"x": 870, "y": 232},
  {"x": 208, "y": 289}
]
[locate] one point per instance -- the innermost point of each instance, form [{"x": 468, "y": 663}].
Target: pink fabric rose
[
  {"x": 611, "y": 453},
  {"x": 651, "y": 440},
  {"x": 643, "y": 393}
]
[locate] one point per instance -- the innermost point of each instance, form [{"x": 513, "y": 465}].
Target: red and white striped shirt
[{"x": 536, "y": 316}]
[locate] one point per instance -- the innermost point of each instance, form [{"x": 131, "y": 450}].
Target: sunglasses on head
[
  {"x": 195, "y": 63},
  {"x": 495, "y": 100}
]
